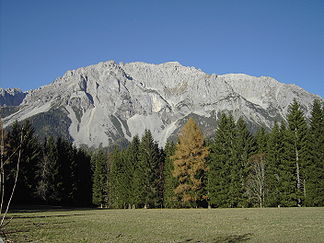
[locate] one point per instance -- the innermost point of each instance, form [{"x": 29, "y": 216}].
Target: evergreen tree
[
  {"x": 136, "y": 176},
  {"x": 274, "y": 158},
  {"x": 244, "y": 147},
  {"x": 132, "y": 163},
  {"x": 64, "y": 174},
  {"x": 46, "y": 171},
  {"x": 315, "y": 169},
  {"x": 125, "y": 180},
  {"x": 261, "y": 163},
  {"x": 190, "y": 165},
  {"x": 297, "y": 148},
  {"x": 31, "y": 153},
  {"x": 160, "y": 177},
  {"x": 287, "y": 169},
  {"x": 150, "y": 161},
  {"x": 139, "y": 182},
  {"x": 261, "y": 139},
  {"x": 117, "y": 182},
  {"x": 70, "y": 180},
  {"x": 170, "y": 199},
  {"x": 83, "y": 183},
  {"x": 51, "y": 182},
  {"x": 100, "y": 179},
  {"x": 220, "y": 161}
]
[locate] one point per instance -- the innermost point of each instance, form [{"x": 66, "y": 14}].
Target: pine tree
[
  {"x": 170, "y": 199},
  {"x": 261, "y": 143},
  {"x": 117, "y": 179},
  {"x": 288, "y": 192},
  {"x": 160, "y": 177},
  {"x": 220, "y": 161},
  {"x": 65, "y": 176},
  {"x": 244, "y": 147},
  {"x": 150, "y": 168},
  {"x": 132, "y": 163},
  {"x": 46, "y": 170},
  {"x": 274, "y": 158},
  {"x": 297, "y": 147},
  {"x": 138, "y": 183},
  {"x": 261, "y": 139},
  {"x": 31, "y": 153},
  {"x": 83, "y": 175},
  {"x": 100, "y": 179},
  {"x": 50, "y": 171},
  {"x": 190, "y": 165},
  {"x": 315, "y": 168}
]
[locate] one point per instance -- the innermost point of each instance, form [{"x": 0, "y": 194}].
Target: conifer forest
[{"x": 281, "y": 167}]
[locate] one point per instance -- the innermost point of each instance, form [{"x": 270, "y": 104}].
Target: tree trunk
[
  {"x": 297, "y": 172},
  {"x": 304, "y": 187}
]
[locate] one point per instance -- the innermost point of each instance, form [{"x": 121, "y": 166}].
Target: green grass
[{"x": 170, "y": 225}]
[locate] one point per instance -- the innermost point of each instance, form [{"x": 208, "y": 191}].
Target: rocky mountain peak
[
  {"x": 108, "y": 102},
  {"x": 11, "y": 96}
]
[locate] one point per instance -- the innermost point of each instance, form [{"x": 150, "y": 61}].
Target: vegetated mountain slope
[{"x": 109, "y": 102}]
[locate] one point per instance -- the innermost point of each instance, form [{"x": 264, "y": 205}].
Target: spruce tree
[
  {"x": 64, "y": 176},
  {"x": 117, "y": 177},
  {"x": 132, "y": 163},
  {"x": 297, "y": 148},
  {"x": 261, "y": 139},
  {"x": 31, "y": 154},
  {"x": 288, "y": 192},
  {"x": 100, "y": 179},
  {"x": 220, "y": 161},
  {"x": 274, "y": 170},
  {"x": 138, "y": 183},
  {"x": 170, "y": 199},
  {"x": 46, "y": 170},
  {"x": 150, "y": 169},
  {"x": 83, "y": 182},
  {"x": 315, "y": 168},
  {"x": 190, "y": 165},
  {"x": 244, "y": 147}
]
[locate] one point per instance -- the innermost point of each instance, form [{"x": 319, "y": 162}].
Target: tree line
[
  {"x": 283, "y": 166},
  {"x": 52, "y": 172}
]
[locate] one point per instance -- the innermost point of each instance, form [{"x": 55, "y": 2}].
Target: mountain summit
[{"x": 105, "y": 103}]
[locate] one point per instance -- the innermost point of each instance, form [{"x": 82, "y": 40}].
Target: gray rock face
[
  {"x": 11, "y": 97},
  {"x": 109, "y": 101}
]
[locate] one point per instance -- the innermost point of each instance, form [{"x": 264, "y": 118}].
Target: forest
[{"x": 281, "y": 167}]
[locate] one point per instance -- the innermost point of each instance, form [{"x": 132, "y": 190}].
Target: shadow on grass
[
  {"x": 20, "y": 233},
  {"x": 234, "y": 238},
  {"x": 47, "y": 216},
  {"x": 222, "y": 239},
  {"x": 46, "y": 208}
]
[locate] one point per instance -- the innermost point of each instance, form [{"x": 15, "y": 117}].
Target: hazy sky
[{"x": 284, "y": 39}]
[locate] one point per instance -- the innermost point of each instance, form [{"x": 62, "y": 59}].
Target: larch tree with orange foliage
[{"x": 190, "y": 165}]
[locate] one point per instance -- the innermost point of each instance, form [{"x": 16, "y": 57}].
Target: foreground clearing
[{"x": 169, "y": 225}]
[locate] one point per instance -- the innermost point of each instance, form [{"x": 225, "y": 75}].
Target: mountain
[
  {"x": 108, "y": 102},
  {"x": 11, "y": 97}
]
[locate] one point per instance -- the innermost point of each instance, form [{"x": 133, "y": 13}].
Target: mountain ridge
[{"x": 108, "y": 102}]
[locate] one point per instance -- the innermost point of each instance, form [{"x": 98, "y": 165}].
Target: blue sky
[{"x": 41, "y": 39}]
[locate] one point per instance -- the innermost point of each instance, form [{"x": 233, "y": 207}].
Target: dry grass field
[{"x": 169, "y": 225}]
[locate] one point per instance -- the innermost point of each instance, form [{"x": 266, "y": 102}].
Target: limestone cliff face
[{"x": 107, "y": 102}]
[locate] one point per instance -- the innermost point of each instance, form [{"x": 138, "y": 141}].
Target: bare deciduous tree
[
  {"x": 5, "y": 159},
  {"x": 255, "y": 186}
]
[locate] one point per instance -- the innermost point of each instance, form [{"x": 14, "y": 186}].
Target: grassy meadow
[{"x": 168, "y": 225}]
